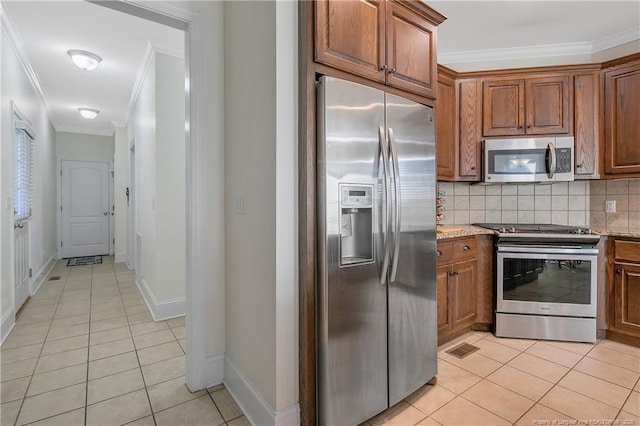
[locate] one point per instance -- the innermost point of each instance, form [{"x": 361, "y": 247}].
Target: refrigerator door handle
[
  {"x": 397, "y": 212},
  {"x": 386, "y": 206}
]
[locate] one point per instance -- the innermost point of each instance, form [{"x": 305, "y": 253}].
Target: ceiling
[
  {"x": 476, "y": 35},
  {"x": 48, "y": 29}
]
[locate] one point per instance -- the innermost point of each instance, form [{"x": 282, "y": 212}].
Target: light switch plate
[
  {"x": 240, "y": 203},
  {"x": 610, "y": 206}
]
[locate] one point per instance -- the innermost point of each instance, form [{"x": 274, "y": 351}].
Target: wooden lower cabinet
[{"x": 624, "y": 291}]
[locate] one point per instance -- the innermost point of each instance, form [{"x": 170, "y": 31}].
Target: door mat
[
  {"x": 462, "y": 350},
  {"x": 85, "y": 260}
]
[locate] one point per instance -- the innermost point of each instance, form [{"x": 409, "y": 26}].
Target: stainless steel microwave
[{"x": 544, "y": 159}]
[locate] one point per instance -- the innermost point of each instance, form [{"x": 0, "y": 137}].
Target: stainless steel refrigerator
[{"x": 376, "y": 310}]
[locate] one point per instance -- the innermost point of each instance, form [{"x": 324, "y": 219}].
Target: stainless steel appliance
[
  {"x": 377, "y": 336},
  {"x": 544, "y": 159},
  {"x": 546, "y": 282}
]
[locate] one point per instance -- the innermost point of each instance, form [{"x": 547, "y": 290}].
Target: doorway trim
[{"x": 197, "y": 247}]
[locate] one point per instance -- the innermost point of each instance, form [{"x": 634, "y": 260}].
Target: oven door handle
[
  {"x": 548, "y": 250},
  {"x": 551, "y": 160}
]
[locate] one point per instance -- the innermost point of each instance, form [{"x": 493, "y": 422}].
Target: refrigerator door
[
  {"x": 352, "y": 306},
  {"x": 412, "y": 285}
]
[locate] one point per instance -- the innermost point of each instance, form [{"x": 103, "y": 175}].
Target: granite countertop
[
  {"x": 611, "y": 233},
  {"x": 460, "y": 231}
]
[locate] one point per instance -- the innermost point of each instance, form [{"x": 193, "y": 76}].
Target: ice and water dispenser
[{"x": 356, "y": 224}]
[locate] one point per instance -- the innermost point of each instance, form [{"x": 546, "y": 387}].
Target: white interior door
[
  {"x": 21, "y": 263},
  {"x": 85, "y": 208}
]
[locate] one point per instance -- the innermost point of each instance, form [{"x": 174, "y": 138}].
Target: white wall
[
  {"x": 16, "y": 86},
  {"x": 84, "y": 147},
  {"x": 260, "y": 139}
]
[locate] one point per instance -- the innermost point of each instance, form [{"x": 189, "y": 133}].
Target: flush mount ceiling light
[
  {"x": 89, "y": 113},
  {"x": 84, "y": 60}
]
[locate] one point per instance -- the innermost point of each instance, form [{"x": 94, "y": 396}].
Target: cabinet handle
[
  {"x": 453, "y": 274},
  {"x": 466, "y": 249},
  {"x": 392, "y": 70},
  {"x": 384, "y": 68},
  {"x": 473, "y": 167},
  {"x": 579, "y": 166},
  {"x": 520, "y": 127},
  {"x": 438, "y": 253},
  {"x": 618, "y": 271},
  {"x": 529, "y": 126}
]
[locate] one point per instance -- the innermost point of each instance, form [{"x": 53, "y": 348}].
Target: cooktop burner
[{"x": 525, "y": 228}]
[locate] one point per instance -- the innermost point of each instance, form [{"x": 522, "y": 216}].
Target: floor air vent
[
  {"x": 462, "y": 350},
  {"x": 54, "y": 278}
]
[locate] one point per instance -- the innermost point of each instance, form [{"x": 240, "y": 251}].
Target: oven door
[{"x": 546, "y": 281}]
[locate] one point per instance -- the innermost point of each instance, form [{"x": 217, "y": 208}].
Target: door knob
[{"x": 106, "y": 213}]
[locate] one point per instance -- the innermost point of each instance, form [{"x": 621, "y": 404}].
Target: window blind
[{"x": 23, "y": 172}]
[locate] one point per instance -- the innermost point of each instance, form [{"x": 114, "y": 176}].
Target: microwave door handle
[{"x": 551, "y": 160}]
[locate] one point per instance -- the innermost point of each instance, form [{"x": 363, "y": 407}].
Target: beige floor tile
[
  {"x": 139, "y": 318},
  {"x": 9, "y": 412},
  {"x": 620, "y": 359},
  {"x": 164, "y": 370},
  {"x": 400, "y": 414},
  {"x": 74, "y": 320},
  {"x": 64, "y": 345},
  {"x": 99, "y": 308},
  {"x": 152, "y": 339},
  {"x": 462, "y": 412},
  {"x": 628, "y": 419},
  {"x": 18, "y": 369},
  {"x": 111, "y": 313},
  {"x": 176, "y": 322},
  {"x": 13, "y": 390},
  {"x": 637, "y": 387},
  {"x": 109, "y": 324},
  {"x": 620, "y": 347},
  {"x": 145, "y": 421},
  {"x": 20, "y": 354},
  {"x": 106, "y": 336},
  {"x": 18, "y": 339},
  {"x": 578, "y": 348},
  {"x": 200, "y": 411},
  {"x": 455, "y": 379},
  {"x": 214, "y": 388},
  {"x": 61, "y": 360},
  {"x": 148, "y": 327},
  {"x": 242, "y": 421},
  {"x": 159, "y": 353},
  {"x": 120, "y": 410},
  {"x": 110, "y": 349},
  {"x": 71, "y": 310},
  {"x": 179, "y": 332},
  {"x": 170, "y": 393},
  {"x": 496, "y": 351},
  {"x": 115, "y": 385},
  {"x": 538, "y": 367},
  {"x": 517, "y": 344},
  {"x": 226, "y": 404},
  {"x": 112, "y": 365},
  {"x": 52, "y": 403},
  {"x": 136, "y": 309},
  {"x": 633, "y": 404},
  {"x": 183, "y": 344},
  {"x": 477, "y": 364},
  {"x": 541, "y": 415},
  {"x": 36, "y": 314},
  {"x": 595, "y": 388},
  {"x": 430, "y": 398},
  {"x": 576, "y": 405},
  {"x": 58, "y": 332},
  {"x": 554, "y": 354},
  {"x": 525, "y": 384},
  {"x": 498, "y": 400},
  {"x": 43, "y": 301},
  {"x": 71, "y": 418},
  {"x": 609, "y": 372},
  {"x": 56, "y": 379}
]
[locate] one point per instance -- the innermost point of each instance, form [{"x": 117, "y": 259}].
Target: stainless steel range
[{"x": 546, "y": 281}]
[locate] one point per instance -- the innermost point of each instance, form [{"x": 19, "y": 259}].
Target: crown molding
[
  {"x": 615, "y": 40},
  {"x": 85, "y": 131},
  {"x": 147, "y": 60},
  {"x": 15, "y": 41}
]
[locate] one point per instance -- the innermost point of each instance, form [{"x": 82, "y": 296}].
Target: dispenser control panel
[{"x": 356, "y": 196}]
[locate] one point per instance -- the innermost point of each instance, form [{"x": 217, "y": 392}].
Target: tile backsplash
[{"x": 578, "y": 203}]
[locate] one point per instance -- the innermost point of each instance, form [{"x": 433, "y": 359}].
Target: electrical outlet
[
  {"x": 240, "y": 204},
  {"x": 610, "y": 206}
]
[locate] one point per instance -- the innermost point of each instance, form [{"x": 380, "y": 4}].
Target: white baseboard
[
  {"x": 164, "y": 309},
  {"x": 42, "y": 274},
  {"x": 121, "y": 257},
  {"x": 8, "y": 322},
  {"x": 214, "y": 370},
  {"x": 255, "y": 408}
]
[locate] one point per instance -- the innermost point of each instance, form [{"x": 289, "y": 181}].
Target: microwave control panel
[{"x": 563, "y": 160}]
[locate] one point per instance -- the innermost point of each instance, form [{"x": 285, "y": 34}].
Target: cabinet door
[
  {"x": 548, "y": 106},
  {"x": 586, "y": 122},
  {"x": 503, "y": 107},
  {"x": 622, "y": 126},
  {"x": 469, "y": 128},
  {"x": 349, "y": 35},
  {"x": 627, "y": 297},
  {"x": 411, "y": 51},
  {"x": 442, "y": 280},
  {"x": 463, "y": 286},
  {"x": 445, "y": 128}
]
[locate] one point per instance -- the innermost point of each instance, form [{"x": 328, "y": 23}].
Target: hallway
[{"x": 85, "y": 350}]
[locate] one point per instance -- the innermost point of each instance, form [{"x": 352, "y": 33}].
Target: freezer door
[
  {"x": 352, "y": 307},
  {"x": 412, "y": 285}
]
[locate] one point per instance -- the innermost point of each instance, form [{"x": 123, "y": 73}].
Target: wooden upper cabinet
[
  {"x": 350, "y": 35},
  {"x": 528, "y": 106},
  {"x": 411, "y": 51},
  {"x": 586, "y": 119},
  {"x": 622, "y": 123},
  {"x": 503, "y": 107},
  {"x": 446, "y": 144},
  {"x": 469, "y": 106},
  {"x": 390, "y": 42}
]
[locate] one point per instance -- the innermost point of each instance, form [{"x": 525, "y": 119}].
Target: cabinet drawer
[
  {"x": 464, "y": 249},
  {"x": 627, "y": 250},
  {"x": 444, "y": 253}
]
